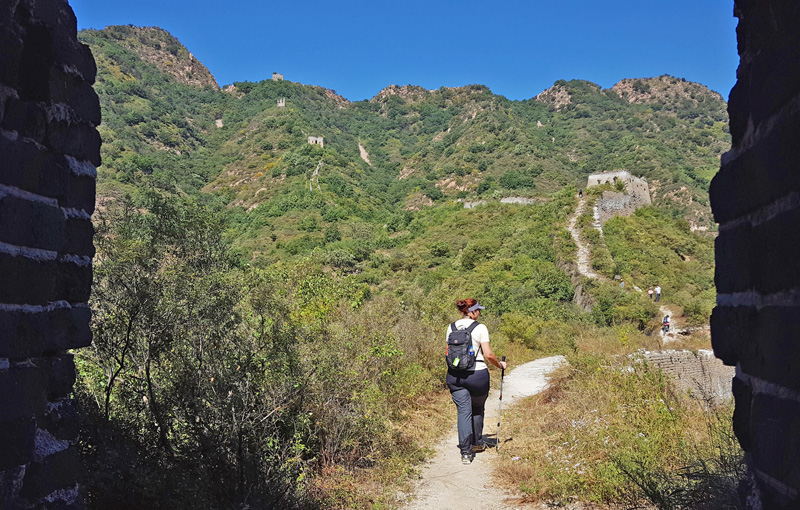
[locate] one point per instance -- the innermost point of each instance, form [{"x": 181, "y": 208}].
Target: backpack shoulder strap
[
  {"x": 472, "y": 326},
  {"x": 453, "y": 326}
]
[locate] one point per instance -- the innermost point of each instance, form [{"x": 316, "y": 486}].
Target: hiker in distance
[{"x": 468, "y": 352}]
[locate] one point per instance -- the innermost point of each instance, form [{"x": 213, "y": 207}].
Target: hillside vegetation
[{"x": 267, "y": 312}]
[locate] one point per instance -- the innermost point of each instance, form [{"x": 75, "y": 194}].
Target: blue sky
[{"x": 517, "y": 48}]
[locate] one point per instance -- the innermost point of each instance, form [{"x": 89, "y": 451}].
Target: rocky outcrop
[{"x": 160, "y": 48}]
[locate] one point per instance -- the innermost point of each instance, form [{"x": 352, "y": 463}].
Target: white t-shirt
[{"x": 479, "y": 335}]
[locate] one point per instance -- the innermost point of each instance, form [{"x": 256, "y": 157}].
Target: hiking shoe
[
  {"x": 477, "y": 448},
  {"x": 466, "y": 458}
]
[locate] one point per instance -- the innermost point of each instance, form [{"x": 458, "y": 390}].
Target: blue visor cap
[{"x": 476, "y": 306}]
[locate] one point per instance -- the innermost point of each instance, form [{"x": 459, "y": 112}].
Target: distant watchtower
[
  {"x": 282, "y": 102},
  {"x": 316, "y": 140},
  {"x": 277, "y": 77}
]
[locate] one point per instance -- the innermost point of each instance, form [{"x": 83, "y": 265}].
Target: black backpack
[{"x": 460, "y": 354}]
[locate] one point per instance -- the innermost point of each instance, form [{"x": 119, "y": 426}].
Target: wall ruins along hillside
[
  {"x": 614, "y": 203},
  {"x": 49, "y": 149}
]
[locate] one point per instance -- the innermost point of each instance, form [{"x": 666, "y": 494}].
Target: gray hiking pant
[{"x": 469, "y": 391}]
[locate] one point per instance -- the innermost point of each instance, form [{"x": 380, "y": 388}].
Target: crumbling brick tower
[
  {"x": 49, "y": 149},
  {"x": 756, "y": 201}
]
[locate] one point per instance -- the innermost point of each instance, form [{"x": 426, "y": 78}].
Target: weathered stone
[
  {"x": 31, "y": 224},
  {"x": 23, "y": 393},
  {"x": 771, "y": 170},
  {"x": 31, "y": 334},
  {"x": 79, "y": 235},
  {"x": 54, "y": 472},
  {"x": 743, "y": 396},
  {"x": 79, "y": 139},
  {"x": 18, "y": 438},
  {"x": 60, "y": 372},
  {"x": 775, "y": 436},
  {"x": 732, "y": 328},
  {"x": 33, "y": 282},
  {"x": 29, "y": 119},
  {"x": 735, "y": 253}
]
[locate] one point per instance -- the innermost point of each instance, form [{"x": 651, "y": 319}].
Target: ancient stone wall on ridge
[
  {"x": 699, "y": 374},
  {"x": 613, "y": 203},
  {"x": 756, "y": 201},
  {"x": 49, "y": 149}
]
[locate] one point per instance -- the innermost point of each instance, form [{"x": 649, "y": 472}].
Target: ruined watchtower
[
  {"x": 277, "y": 77},
  {"x": 614, "y": 203},
  {"x": 316, "y": 140}
]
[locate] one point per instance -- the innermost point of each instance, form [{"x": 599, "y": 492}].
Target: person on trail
[
  {"x": 470, "y": 388},
  {"x": 650, "y": 293},
  {"x": 580, "y": 193},
  {"x": 665, "y": 324},
  {"x": 658, "y": 293}
]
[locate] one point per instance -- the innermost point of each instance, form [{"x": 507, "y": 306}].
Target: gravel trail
[{"x": 446, "y": 484}]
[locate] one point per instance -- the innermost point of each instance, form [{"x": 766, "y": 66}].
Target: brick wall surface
[
  {"x": 699, "y": 374},
  {"x": 49, "y": 149},
  {"x": 756, "y": 201}
]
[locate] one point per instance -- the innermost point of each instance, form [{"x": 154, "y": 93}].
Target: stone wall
[
  {"x": 699, "y": 374},
  {"x": 49, "y": 149},
  {"x": 613, "y": 203},
  {"x": 756, "y": 201}
]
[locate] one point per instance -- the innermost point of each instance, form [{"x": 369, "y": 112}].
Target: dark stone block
[
  {"x": 28, "y": 281},
  {"x": 79, "y": 236},
  {"x": 732, "y": 328},
  {"x": 771, "y": 170},
  {"x": 19, "y": 337},
  {"x": 27, "y": 335},
  {"x": 80, "y": 140},
  {"x": 66, "y": 328},
  {"x": 29, "y": 119},
  {"x": 74, "y": 282},
  {"x": 31, "y": 224},
  {"x": 734, "y": 252},
  {"x": 743, "y": 395},
  {"x": 776, "y": 268},
  {"x": 29, "y": 168},
  {"x": 75, "y": 93},
  {"x": 60, "y": 372},
  {"x": 82, "y": 193},
  {"x": 775, "y": 436},
  {"x": 23, "y": 393},
  {"x": 773, "y": 353},
  {"x": 58, "y": 471},
  {"x": 62, "y": 420},
  {"x": 738, "y": 113},
  {"x": 10, "y": 56},
  {"x": 18, "y": 436}
]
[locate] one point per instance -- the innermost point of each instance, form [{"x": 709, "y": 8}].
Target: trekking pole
[{"x": 500, "y": 408}]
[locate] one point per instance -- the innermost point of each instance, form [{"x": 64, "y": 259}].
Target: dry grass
[{"x": 607, "y": 433}]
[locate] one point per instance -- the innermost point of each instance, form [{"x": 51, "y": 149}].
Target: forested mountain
[
  {"x": 263, "y": 306},
  {"x": 164, "y": 116}
]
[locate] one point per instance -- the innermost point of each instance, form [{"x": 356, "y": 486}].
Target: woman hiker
[{"x": 470, "y": 388}]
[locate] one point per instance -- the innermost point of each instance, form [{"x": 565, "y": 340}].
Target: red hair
[{"x": 464, "y": 304}]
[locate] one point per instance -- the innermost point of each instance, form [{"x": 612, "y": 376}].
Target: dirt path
[
  {"x": 584, "y": 255},
  {"x": 446, "y": 483}
]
